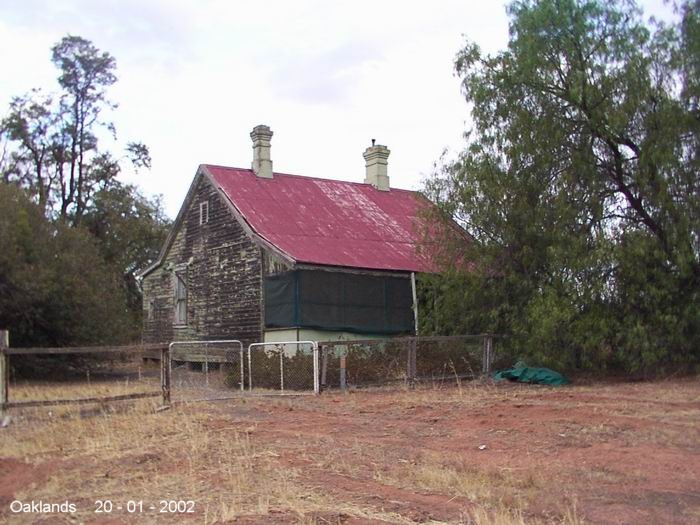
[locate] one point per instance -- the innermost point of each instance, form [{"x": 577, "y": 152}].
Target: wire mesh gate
[
  {"x": 284, "y": 366},
  {"x": 206, "y": 369},
  {"x": 221, "y": 369}
]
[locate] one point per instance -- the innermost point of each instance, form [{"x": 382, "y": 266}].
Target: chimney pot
[
  {"x": 262, "y": 162},
  {"x": 376, "y": 172}
]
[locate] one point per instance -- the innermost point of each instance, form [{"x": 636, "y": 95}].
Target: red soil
[{"x": 618, "y": 454}]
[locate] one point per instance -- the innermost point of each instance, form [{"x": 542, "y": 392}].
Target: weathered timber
[
  {"x": 165, "y": 368},
  {"x": 145, "y": 349},
  {"x": 222, "y": 267},
  {"x": 81, "y": 400},
  {"x": 4, "y": 369}
]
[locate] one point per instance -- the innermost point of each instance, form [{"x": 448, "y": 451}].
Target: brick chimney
[
  {"x": 376, "y": 166},
  {"x": 262, "y": 163}
]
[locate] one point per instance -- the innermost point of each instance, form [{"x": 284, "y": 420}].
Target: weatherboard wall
[{"x": 223, "y": 272}]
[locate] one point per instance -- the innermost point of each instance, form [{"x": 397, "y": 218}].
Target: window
[
  {"x": 151, "y": 309},
  {"x": 180, "y": 298},
  {"x": 203, "y": 212}
]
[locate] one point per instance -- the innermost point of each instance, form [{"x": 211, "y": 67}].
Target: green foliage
[
  {"x": 580, "y": 186},
  {"x": 55, "y": 288},
  {"x": 69, "y": 262},
  {"x": 54, "y": 139},
  {"x": 129, "y": 230}
]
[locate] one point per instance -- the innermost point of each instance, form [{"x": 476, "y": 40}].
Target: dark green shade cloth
[{"x": 327, "y": 300}]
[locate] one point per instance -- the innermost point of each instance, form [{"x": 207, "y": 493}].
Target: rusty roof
[{"x": 330, "y": 222}]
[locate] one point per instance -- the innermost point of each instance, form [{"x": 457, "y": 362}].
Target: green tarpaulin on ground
[{"x": 522, "y": 373}]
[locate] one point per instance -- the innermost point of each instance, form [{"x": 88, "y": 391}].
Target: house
[{"x": 258, "y": 256}]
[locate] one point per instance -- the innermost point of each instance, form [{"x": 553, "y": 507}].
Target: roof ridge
[{"x": 306, "y": 177}]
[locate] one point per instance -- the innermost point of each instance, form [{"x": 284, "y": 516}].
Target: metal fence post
[
  {"x": 206, "y": 364},
  {"x": 317, "y": 386},
  {"x": 250, "y": 370},
  {"x": 4, "y": 370},
  {"x": 281, "y": 349},
  {"x": 242, "y": 358},
  {"x": 324, "y": 366}
]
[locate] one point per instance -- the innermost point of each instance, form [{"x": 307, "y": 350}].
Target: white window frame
[{"x": 203, "y": 212}]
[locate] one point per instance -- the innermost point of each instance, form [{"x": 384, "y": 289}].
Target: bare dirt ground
[{"x": 473, "y": 453}]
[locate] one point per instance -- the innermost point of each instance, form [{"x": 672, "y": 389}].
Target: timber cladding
[{"x": 221, "y": 269}]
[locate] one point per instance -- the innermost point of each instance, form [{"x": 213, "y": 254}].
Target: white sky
[{"x": 196, "y": 76}]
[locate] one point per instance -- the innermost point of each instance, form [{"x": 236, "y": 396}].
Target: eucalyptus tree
[
  {"x": 69, "y": 259},
  {"x": 55, "y": 150}
]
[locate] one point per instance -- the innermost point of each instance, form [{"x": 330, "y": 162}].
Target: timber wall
[{"x": 224, "y": 278}]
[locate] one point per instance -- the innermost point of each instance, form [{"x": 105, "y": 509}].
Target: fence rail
[
  {"x": 95, "y": 376},
  {"x": 274, "y": 367},
  {"x": 125, "y": 349}
]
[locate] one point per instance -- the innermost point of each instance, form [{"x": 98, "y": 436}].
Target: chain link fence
[
  {"x": 283, "y": 367},
  {"x": 411, "y": 360},
  {"x": 206, "y": 369}
]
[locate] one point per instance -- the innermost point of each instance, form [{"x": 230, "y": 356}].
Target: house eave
[
  {"x": 252, "y": 234},
  {"x": 349, "y": 269},
  {"x": 202, "y": 172}
]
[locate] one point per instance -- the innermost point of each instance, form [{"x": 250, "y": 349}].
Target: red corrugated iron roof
[{"x": 330, "y": 222}]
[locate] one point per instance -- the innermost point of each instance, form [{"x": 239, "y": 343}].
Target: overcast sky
[{"x": 196, "y": 76}]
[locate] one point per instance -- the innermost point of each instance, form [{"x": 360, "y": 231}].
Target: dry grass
[
  {"x": 177, "y": 454},
  {"x": 458, "y": 477},
  {"x": 509, "y": 516},
  {"x": 148, "y": 456},
  {"x": 372, "y": 457},
  {"x": 88, "y": 387}
]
